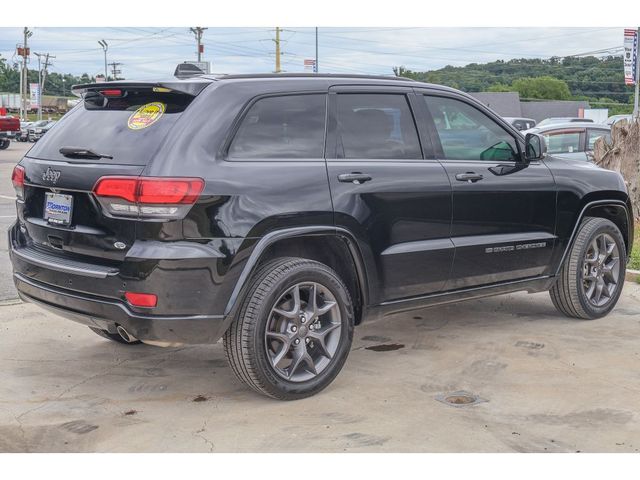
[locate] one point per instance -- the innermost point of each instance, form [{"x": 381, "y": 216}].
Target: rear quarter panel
[{"x": 242, "y": 200}]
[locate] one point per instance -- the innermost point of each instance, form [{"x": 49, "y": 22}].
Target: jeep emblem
[{"x": 51, "y": 175}]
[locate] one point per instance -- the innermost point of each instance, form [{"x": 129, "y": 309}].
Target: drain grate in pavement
[{"x": 460, "y": 399}]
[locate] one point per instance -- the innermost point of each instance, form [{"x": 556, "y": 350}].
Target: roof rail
[{"x": 311, "y": 75}]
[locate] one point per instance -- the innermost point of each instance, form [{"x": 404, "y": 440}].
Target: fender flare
[
  {"x": 574, "y": 233},
  {"x": 278, "y": 235}
]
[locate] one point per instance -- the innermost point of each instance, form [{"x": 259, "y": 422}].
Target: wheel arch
[
  {"x": 335, "y": 247},
  {"x": 616, "y": 210}
]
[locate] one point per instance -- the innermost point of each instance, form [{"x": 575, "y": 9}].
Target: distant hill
[{"x": 598, "y": 80}]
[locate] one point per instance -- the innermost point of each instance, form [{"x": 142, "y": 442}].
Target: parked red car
[{"x": 8, "y": 125}]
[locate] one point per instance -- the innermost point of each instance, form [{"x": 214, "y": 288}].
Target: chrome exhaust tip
[{"x": 126, "y": 336}]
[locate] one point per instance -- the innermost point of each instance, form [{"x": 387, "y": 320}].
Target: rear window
[
  {"x": 129, "y": 128},
  {"x": 563, "y": 142}
]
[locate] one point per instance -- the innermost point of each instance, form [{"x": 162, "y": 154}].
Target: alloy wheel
[
  {"x": 303, "y": 331},
  {"x": 601, "y": 270}
]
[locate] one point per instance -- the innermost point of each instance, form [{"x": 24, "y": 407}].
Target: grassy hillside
[{"x": 598, "y": 80}]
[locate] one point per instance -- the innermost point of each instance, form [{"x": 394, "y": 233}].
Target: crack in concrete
[
  {"x": 201, "y": 430},
  {"x": 23, "y": 433},
  {"x": 198, "y": 433}
]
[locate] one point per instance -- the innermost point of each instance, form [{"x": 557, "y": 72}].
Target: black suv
[{"x": 278, "y": 211}]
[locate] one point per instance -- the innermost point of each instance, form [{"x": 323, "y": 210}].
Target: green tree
[
  {"x": 545, "y": 88},
  {"x": 500, "y": 87}
]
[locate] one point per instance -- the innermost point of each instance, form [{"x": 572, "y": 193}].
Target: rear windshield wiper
[{"x": 80, "y": 152}]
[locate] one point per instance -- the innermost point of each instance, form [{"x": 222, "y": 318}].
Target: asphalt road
[{"x": 543, "y": 383}]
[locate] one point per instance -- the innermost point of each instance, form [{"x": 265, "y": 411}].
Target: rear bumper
[
  {"x": 107, "y": 314},
  {"x": 191, "y": 297}
]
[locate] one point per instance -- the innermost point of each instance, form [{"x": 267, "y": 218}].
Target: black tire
[
  {"x": 245, "y": 341},
  {"x": 568, "y": 293},
  {"x": 114, "y": 337},
  {"x": 4, "y": 144}
]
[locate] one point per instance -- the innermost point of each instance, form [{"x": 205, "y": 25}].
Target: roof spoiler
[
  {"x": 192, "y": 87},
  {"x": 187, "y": 70}
]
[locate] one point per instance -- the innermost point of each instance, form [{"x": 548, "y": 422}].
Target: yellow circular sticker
[{"x": 146, "y": 115}]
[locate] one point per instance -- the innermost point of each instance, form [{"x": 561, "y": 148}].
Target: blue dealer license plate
[{"x": 57, "y": 208}]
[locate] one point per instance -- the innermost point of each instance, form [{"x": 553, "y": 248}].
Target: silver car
[
  {"x": 572, "y": 140},
  {"x": 613, "y": 119}
]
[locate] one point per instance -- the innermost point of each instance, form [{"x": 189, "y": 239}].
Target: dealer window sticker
[{"x": 146, "y": 115}]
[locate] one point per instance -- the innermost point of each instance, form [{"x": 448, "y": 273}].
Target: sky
[{"x": 151, "y": 53}]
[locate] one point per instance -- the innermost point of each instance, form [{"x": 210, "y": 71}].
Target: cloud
[{"x": 147, "y": 52}]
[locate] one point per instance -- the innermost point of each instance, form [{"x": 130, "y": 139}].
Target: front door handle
[
  {"x": 470, "y": 177},
  {"x": 356, "y": 178}
]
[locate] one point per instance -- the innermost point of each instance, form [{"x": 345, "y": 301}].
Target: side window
[
  {"x": 563, "y": 142},
  {"x": 285, "y": 127},
  {"x": 593, "y": 135},
  {"x": 376, "y": 126},
  {"x": 520, "y": 124},
  {"x": 468, "y": 134}
]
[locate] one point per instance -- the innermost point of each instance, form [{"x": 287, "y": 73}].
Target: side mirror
[{"x": 535, "y": 147}]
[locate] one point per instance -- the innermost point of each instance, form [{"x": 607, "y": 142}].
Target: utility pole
[
  {"x": 105, "y": 47},
  {"x": 315, "y": 67},
  {"x": 277, "y": 42},
  {"x": 39, "y": 85},
  {"x": 42, "y": 78},
  {"x": 24, "y": 73},
  {"x": 636, "y": 111},
  {"x": 114, "y": 70},
  {"x": 198, "y": 31}
]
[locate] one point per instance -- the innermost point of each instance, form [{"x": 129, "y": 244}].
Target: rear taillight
[
  {"x": 148, "y": 197},
  {"x": 17, "y": 178}
]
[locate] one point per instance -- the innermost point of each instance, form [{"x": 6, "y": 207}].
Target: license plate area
[{"x": 58, "y": 208}]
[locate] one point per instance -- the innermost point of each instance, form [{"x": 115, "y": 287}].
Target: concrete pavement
[
  {"x": 545, "y": 383},
  {"x": 8, "y": 159}
]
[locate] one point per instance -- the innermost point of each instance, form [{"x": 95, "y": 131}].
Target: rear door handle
[
  {"x": 470, "y": 177},
  {"x": 356, "y": 178}
]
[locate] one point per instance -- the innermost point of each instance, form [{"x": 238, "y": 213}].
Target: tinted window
[
  {"x": 104, "y": 125},
  {"x": 563, "y": 142},
  {"x": 468, "y": 134},
  {"x": 289, "y": 126},
  {"x": 593, "y": 135},
  {"x": 376, "y": 126}
]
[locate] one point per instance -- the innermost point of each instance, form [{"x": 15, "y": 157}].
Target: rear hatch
[{"x": 115, "y": 131}]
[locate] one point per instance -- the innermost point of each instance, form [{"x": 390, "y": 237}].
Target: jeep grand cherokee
[{"x": 278, "y": 211}]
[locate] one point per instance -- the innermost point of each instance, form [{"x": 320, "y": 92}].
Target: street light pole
[{"x": 105, "y": 47}]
